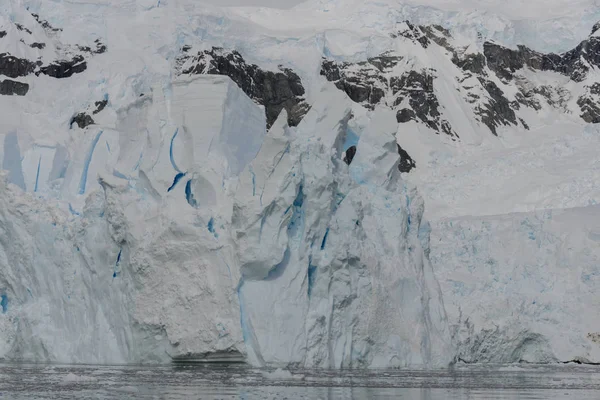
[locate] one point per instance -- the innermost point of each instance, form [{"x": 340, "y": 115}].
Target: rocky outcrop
[
  {"x": 100, "y": 105},
  {"x": 373, "y": 82},
  {"x": 416, "y": 88},
  {"x": 574, "y": 63},
  {"x": 406, "y": 162},
  {"x": 45, "y": 24},
  {"x": 84, "y": 119},
  {"x": 589, "y": 104},
  {"x": 22, "y": 28},
  {"x": 414, "y": 33},
  {"x": 65, "y": 68},
  {"x": 497, "y": 110},
  {"x": 364, "y": 82},
  {"x": 276, "y": 91},
  {"x": 14, "y": 67},
  {"x": 99, "y": 48},
  {"x": 349, "y": 154},
  {"x": 9, "y": 87},
  {"x": 474, "y": 63}
]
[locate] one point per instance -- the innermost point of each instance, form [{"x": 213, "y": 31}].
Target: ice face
[
  {"x": 265, "y": 254},
  {"x": 175, "y": 226}
]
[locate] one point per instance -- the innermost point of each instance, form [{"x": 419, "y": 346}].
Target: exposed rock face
[
  {"x": 64, "y": 69},
  {"x": 100, "y": 106},
  {"x": 349, "y": 155},
  {"x": 363, "y": 82},
  {"x": 574, "y": 63},
  {"x": 590, "y": 104},
  {"x": 474, "y": 63},
  {"x": 22, "y": 28},
  {"x": 406, "y": 162},
  {"x": 274, "y": 90},
  {"x": 10, "y": 87},
  {"x": 82, "y": 120},
  {"x": 14, "y": 67},
  {"x": 417, "y": 88},
  {"x": 73, "y": 63},
  {"x": 497, "y": 110},
  {"x": 373, "y": 82},
  {"x": 45, "y": 24},
  {"x": 100, "y": 48},
  {"x": 412, "y": 92},
  {"x": 414, "y": 33}
]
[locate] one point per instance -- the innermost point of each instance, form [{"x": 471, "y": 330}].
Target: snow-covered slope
[{"x": 182, "y": 181}]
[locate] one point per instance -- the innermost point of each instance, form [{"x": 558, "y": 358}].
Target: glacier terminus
[{"x": 342, "y": 184}]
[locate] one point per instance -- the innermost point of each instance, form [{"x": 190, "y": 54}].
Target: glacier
[
  {"x": 149, "y": 215},
  {"x": 272, "y": 252}
]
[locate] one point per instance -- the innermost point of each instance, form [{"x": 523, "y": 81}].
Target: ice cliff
[
  {"x": 182, "y": 182},
  {"x": 221, "y": 241}
]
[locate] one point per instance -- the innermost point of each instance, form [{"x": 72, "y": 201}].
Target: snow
[{"x": 177, "y": 227}]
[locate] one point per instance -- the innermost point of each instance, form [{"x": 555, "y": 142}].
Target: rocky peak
[
  {"x": 413, "y": 33},
  {"x": 276, "y": 90},
  {"x": 374, "y": 81}
]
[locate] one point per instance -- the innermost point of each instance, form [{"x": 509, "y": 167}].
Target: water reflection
[{"x": 235, "y": 382}]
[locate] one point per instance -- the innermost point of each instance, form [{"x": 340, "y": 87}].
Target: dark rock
[
  {"x": 405, "y": 115},
  {"x": 384, "y": 62},
  {"x": 100, "y": 106},
  {"x": 82, "y": 120},
  {"x": 406, "y": 162},
  {"x": 2, "y": 34},
  {"x": 524, "y": 123},
  {"x": 100, "y": 48},
  {"x": 363, "y": 82},
  {"x": 413, "y": 33},
  {"x": 472, "y": 62},
  {"x": 418, "y": 88},
  {"x": 438, "y": 35},
  {"x": 9, "y": 88},
  {"x": 64, "y": 69},
  {"x": 498, "y": 110},
  {"x": 527, "y": 98},
  {"x": 349, "y": 154},
  {"x": 590, "y": 110},
  {"x": 45, "y": 24},
  {"x": 22, "y": 28},
  {"x": 37, "y": 45},
  {"x": 368, "y": 82},
  {"x": 275, "y": 90},
  {"x": 14, "y": 67},
  {"x": 331, "y": 70},
  {"x": 595, "y": 28},
  {"x": 589, "y": 104},
  {"x": 574, "y": 63}
]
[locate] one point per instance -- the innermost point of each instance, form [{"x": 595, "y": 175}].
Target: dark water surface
[{"x": 18, "y": 381}]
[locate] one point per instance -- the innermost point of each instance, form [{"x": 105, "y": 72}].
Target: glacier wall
[
  {"x": 182, "y": 230},
  {"x": 175, "y": 227},
  {"x": 521, "y": 287}
]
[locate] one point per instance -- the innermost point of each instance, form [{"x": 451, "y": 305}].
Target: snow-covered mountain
[{"x": 342, "y": 184}]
